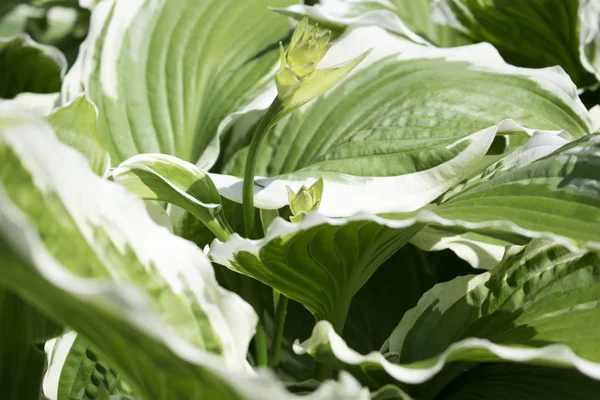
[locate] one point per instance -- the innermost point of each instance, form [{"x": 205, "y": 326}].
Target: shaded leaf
[{"x": 27, "y": 66}]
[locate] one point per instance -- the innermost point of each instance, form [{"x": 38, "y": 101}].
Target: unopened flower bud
[
  {"x": 298, "y": 81},
  {"x": 306, "y": 200}
]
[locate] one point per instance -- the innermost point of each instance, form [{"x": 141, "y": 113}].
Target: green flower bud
[
  {"x": 298, "y": 81},
  {"x": 286, "y": 80},
  {"x": 306, "y": 200},
  {"x": 307, "y": 48}
]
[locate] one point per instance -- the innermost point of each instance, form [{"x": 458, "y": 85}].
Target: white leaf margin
[
  {"x": 595, "y": 116},
  {"x": 478, "y": 254},
  {"x": 324, "y": 335},
  {"x": 129, "y": 303},
  {"x": 59, "y": 169},
  {"x": 346, "y": 388},
  {"x": 74, "y": 82},
  {"x": 339, "y": 13},
  {"x": 57, "y": 350},
  {"x": 224, "y": 252},
  {"x": 539, "y": 145},
  {"x": 482, "y": 254},
  {"x": 347, "y": 195},
  {"x": 589, "y": 35},
  {"x": 41, "y": 105},
  {"x": 412, "y": 191},
  {"x": 89, "y": 4}
]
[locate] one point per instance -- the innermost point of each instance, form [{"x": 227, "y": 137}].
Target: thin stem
[
  {"x": 323, "y": 371},
  {"x": 260, "y": 339},
  {"x": 248, "y": 189},
  {"x": 260, "y": 345},
  {"x": 216, "y": 223},
  {"x": 337, "y": 320},
  {"x": 280, "y": 315},
  {"x": 220, "y": 232}
]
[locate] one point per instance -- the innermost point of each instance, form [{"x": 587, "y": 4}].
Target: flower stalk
[{"x": 298, "y": 82}]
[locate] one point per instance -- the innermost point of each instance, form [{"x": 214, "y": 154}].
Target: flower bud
[
  {"x": 306, "y": 200},
  {"x": 298, "y": 81}
]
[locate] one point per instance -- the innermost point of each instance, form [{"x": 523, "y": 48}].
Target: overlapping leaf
[
  {"x": 402, "y": 17},
  {"x": 27, "y": 66},
  {"x": 529, "y": 33},
  {"x": 75, "y": 372},
  {"x": 555, "y": 197},
  {"x": 85, "y": 251},
  {"x": 406, "y": 127},
  {"x": 319, "y": 262},
  {"x": 538, "y": 307},
  {"x": 589, "y": 35},
  {"x": 164, "y": 74},
  {"x": 166, "y": 178},
  {"x": 479, "y": 250},
  {"x": 48, "y": 188}
]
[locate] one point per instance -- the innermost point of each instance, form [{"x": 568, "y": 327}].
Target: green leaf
[
  {"x": 540, "y": 145},
  {"x": 553, "y": 33},
  {"x": 417, "y": 16},
  {"x": 75, "y": 372},
  {"x": 85, "y": 251},
  {"x": 23, "y": 328},
  {"x": 393, "y": 137},
  {"x": 555, "y": 197},
  {"x": 48, "y": 188},
  {"x": 75, "y": 125},
  {"x": 395, "y": 288},
  {"x": 479, "y": 250},
  {"x": 402, "y": 17},
  {"x": 27, "y": 66},
  {"x": 539, "y": 307},
  {"x": 165, "y": 74},
  {"x": 504, "y": 381},
  {"x": 166, "y": 178},
  {"x": 319, "y": 262}
]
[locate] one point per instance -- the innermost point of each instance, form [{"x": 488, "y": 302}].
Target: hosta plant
[{"x": 261, "y": 199}]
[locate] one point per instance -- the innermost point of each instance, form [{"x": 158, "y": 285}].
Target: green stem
[
  {"x": 260, "y": 345},
  {"x": 216, "y": 223},
  {"x": 220, "y": 232},
  {"x": 248, "y": 189},
  {"x": 280, "y": 314},
  {"x": 323, "y": 371},
  {"x": 337, "y": 320},
  {"x": 260, "y": 339}
]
